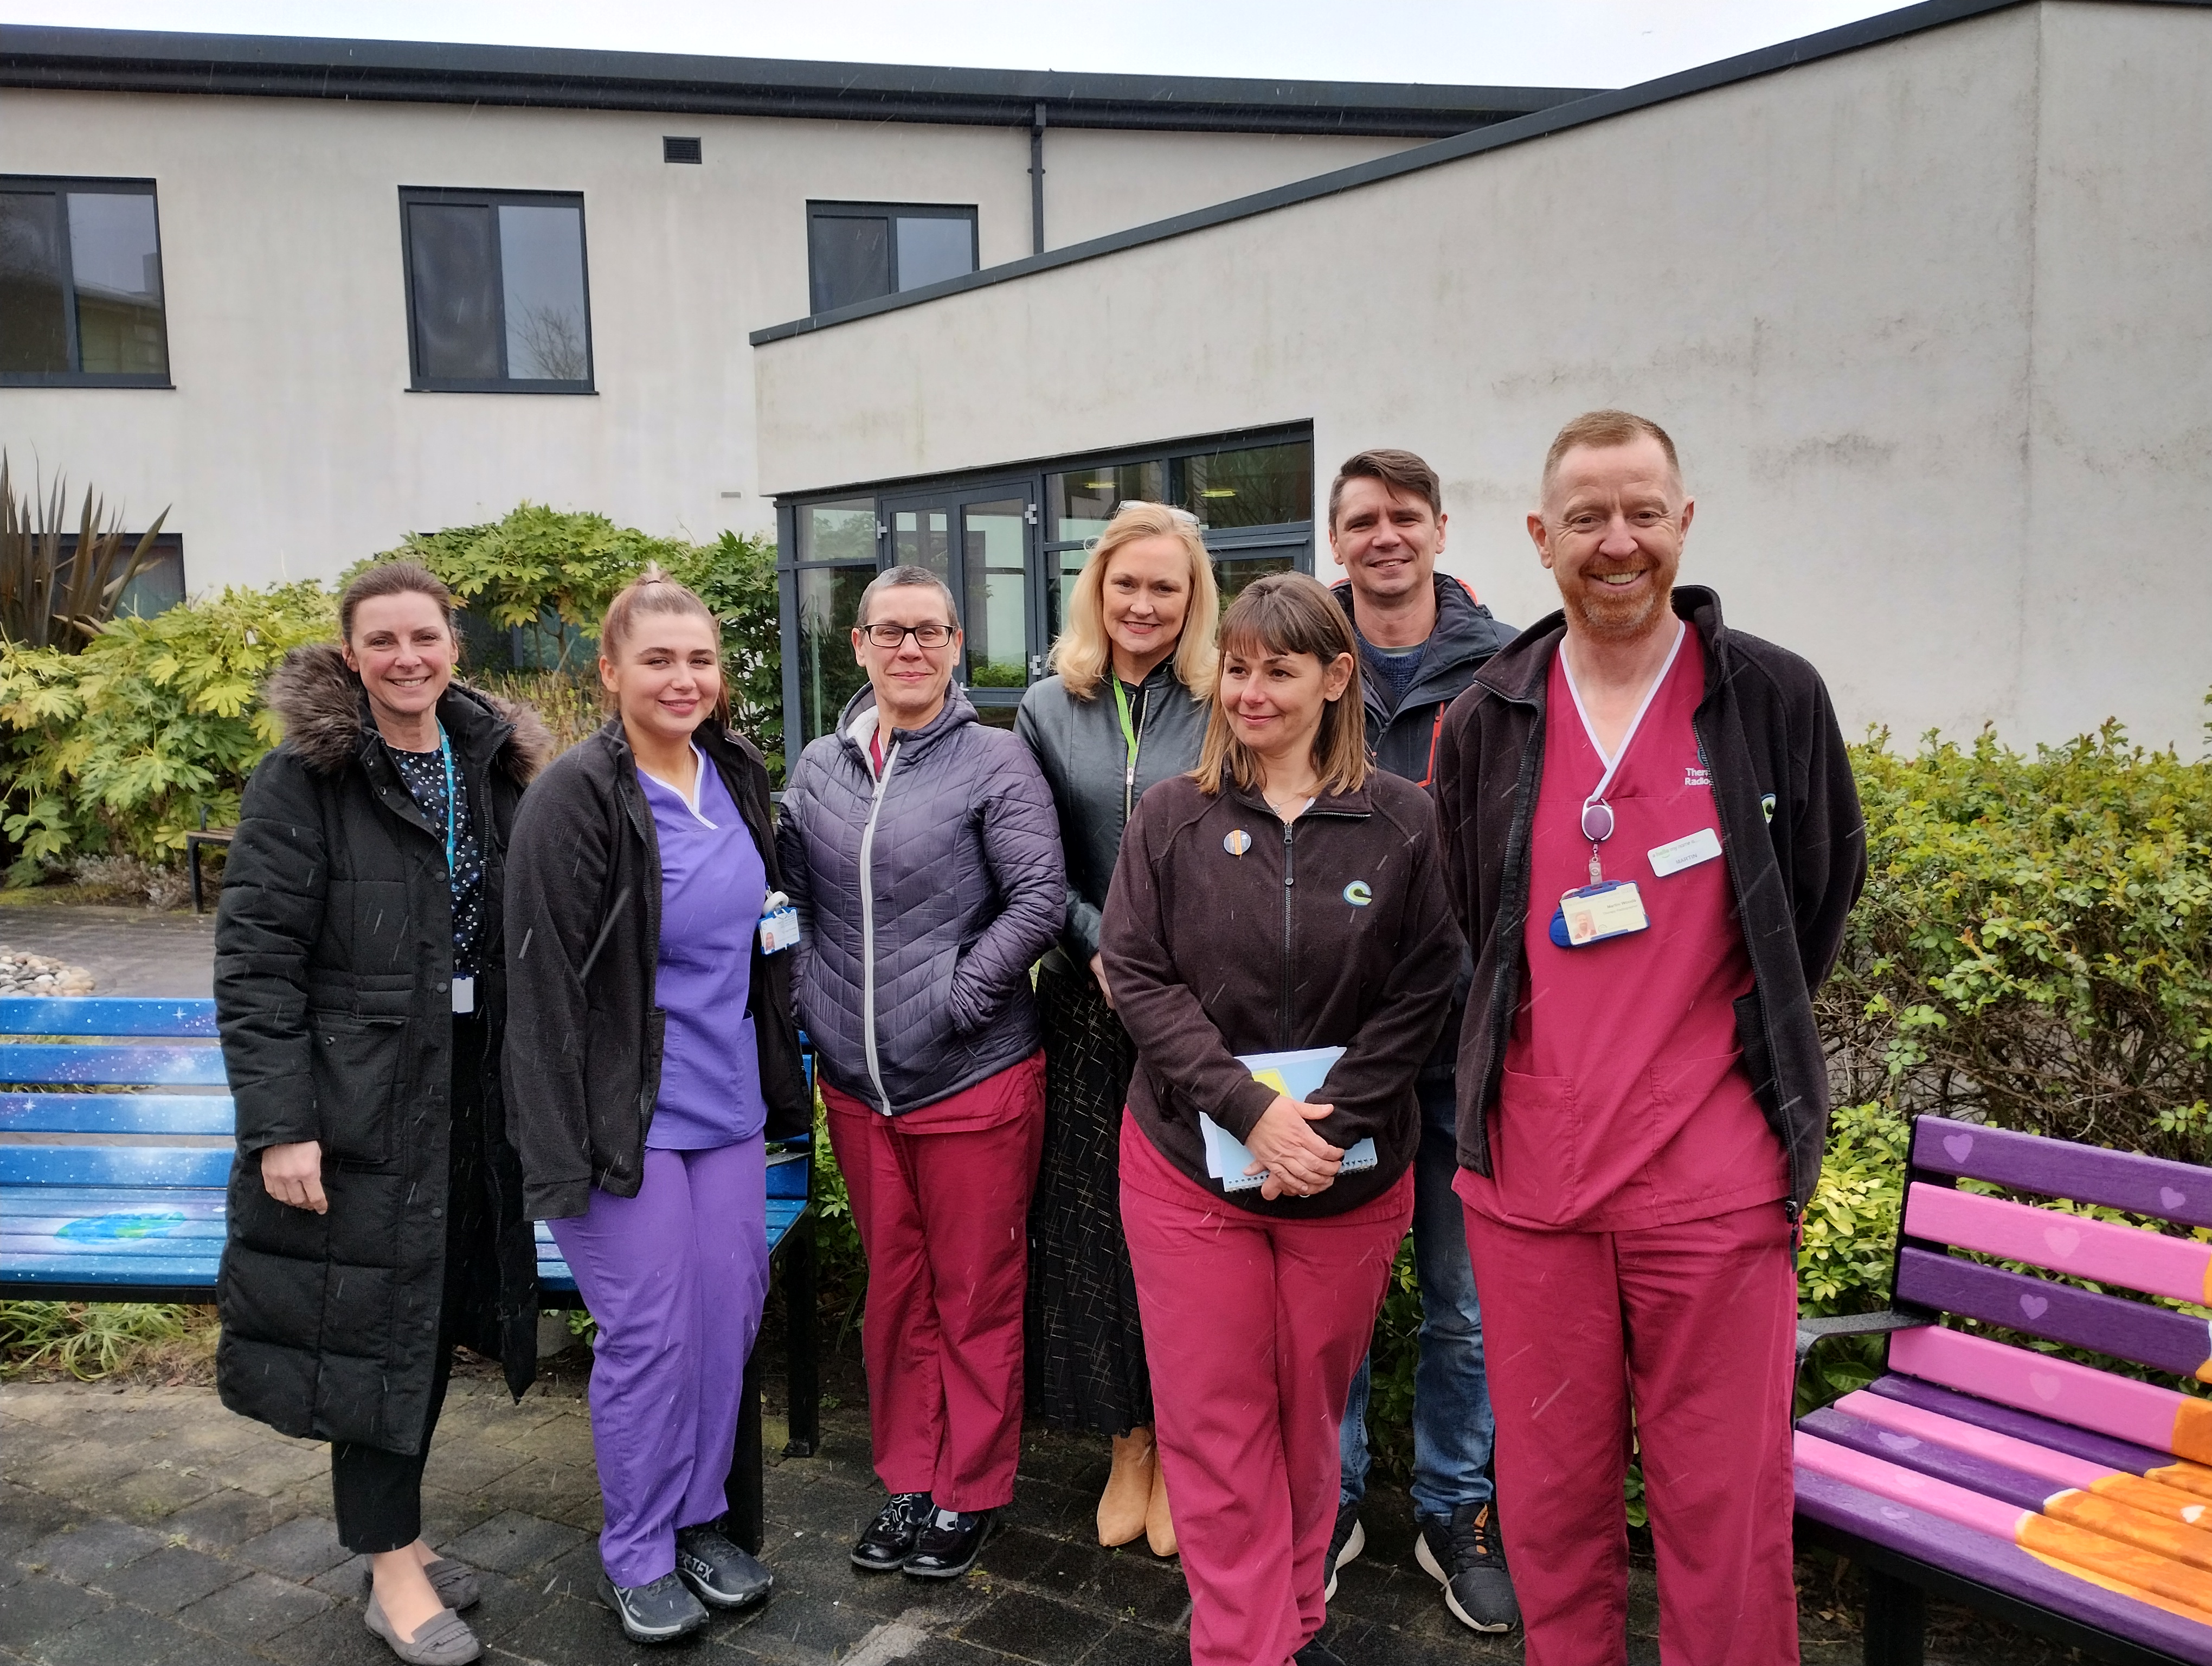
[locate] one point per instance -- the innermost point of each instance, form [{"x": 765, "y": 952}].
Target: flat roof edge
[
  {"x": 57, "y": 58},
  {"x": 1597, "y": 106}
]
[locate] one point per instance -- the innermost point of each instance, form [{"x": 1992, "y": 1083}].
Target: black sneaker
[
  {"x": 658, "y": 1613},
  {"x": 889, "y": 1542},
  {"x": 1465, "y": 1555},
  {"x": 950, "y": 1543},
  {"x": 1344, "y": 1545},
  {"x": 720, "y": 1575}
]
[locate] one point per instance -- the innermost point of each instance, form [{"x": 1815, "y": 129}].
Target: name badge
[
  {"x": 1596, "y": 912},
  {"x": 465, "y": 994},
  {"x": 779, "y": 924},
  {"x": 1701, "y": 846}
]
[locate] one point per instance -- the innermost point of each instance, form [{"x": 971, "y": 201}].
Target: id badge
[
  {"x": 1595, "y": 913},
  {"x": 465, "y": 994},
  {"x": 779, "y": 924}
]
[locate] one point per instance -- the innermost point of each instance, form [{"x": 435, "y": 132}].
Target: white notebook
[{"x": 1297, "y": 1075}]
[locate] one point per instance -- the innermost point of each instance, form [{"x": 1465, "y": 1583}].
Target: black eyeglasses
[{"x": 894, "y": 636}]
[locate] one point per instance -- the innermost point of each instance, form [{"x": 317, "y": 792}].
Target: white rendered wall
[
  {"x": 1928, "y": 321},
  {"x": 291, "y": 445}
]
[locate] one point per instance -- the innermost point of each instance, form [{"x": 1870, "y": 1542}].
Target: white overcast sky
[{"x": 1553, "y": 43}]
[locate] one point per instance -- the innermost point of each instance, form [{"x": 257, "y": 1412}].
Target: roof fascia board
[
  {"x": 1598, "y": 106},
  {"x": 167, "y": 61}
]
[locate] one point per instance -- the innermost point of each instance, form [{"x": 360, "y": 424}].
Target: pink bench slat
[
  {"x": 2127, "y": 1330},
  {"x": 2102, "y": 1250},
  {"x": 1894, "y": 1481},
  {"x": 2056, "y": 1469},
  {"x": 2094, "y": 1400},
  {"x": 2122, "y": 1456},
  {"x": 2001, "y": 1481}
]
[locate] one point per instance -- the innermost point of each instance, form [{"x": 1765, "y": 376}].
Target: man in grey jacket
[{"x": 923, "y": 855}]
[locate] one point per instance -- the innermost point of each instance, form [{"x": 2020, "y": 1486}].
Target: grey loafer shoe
[
  {"x": 443, "y": 1639},
  {"x": 456, "y": 1582}
]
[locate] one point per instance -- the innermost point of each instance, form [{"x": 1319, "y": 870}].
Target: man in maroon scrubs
[{"x": 1652, "y": 839}]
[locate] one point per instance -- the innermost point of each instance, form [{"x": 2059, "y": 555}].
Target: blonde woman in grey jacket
[{"x": 1127, "y": 708}]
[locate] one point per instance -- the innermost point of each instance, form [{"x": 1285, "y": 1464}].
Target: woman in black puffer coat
[{"x": 376, "y": 1205}]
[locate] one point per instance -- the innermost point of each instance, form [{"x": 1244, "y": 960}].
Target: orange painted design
[
  {"x": 2166, "y": 1502},
  {"x": 2183, "y": 1477},
  {"x": 2123, "y": 1588},
  {"x": 2134, "y": 1526},
  {"x": 2193, "y": 1430},
  {"x": 2086, "y": 1548}
]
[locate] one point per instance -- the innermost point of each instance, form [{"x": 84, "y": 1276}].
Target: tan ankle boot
[
  {"x": 1159, "y": 1526},
  {"x": 1122, "y": 1507}
]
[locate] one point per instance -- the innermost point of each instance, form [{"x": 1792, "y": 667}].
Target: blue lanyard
[{"x": 445, "y": 756}]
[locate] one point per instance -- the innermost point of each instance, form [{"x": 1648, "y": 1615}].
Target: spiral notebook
[{"x": 1297, "y": 1075}]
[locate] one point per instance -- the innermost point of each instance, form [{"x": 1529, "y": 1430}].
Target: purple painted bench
[{"x": 2071, "y": 1500}]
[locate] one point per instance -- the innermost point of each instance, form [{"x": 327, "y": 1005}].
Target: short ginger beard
[{"x": 1618, "y": 621}]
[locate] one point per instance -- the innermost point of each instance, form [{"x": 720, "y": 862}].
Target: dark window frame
[
  {"x": 168, "y": 549},
  {"x": 62, "y": 184},
  {"x": 1295, "y": 538},
  {"x": 891, "y": 213},
  {"x": 458, "y": 196}
]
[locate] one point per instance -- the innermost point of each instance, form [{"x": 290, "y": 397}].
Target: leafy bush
[
  {"x": 551, "y": 573},
  {"x": 2034, "y": 948},
  {"x": 116, "y": 749}
]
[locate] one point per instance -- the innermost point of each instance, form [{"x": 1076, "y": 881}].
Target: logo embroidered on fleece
[
  {"x": 1766, "y": 803},
  {"x": 1694, "y": 776},
  {"x": 1358, "y": 895}
]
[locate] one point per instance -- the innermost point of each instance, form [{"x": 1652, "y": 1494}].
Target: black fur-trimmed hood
[{"x": 327, "y": 717}]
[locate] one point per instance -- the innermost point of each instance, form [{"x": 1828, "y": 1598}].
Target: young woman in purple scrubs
[{"x": 650, "y": 1049}]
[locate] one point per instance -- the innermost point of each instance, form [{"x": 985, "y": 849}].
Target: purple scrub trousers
[{"x": 676, "y": 1276}]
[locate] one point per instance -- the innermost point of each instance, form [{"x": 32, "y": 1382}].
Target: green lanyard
[{"x": 1130, "y": 740}]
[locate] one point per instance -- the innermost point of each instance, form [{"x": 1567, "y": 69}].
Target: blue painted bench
[
  {"x": 119, "y": 1196},
  {"x": 2067, "y": 1498}
]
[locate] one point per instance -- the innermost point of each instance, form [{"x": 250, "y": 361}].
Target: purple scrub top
[{"x": 712, "y": 886}]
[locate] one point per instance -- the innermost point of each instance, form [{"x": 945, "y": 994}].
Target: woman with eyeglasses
[
  {"x": 1127, "y": 707},
  {"x": 921, "y": 851}
]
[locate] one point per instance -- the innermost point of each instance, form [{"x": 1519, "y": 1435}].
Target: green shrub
[
  {"x": 118, "y": 748},
  {"x": 2034, "y": 948},
  {"x": 551, "y": 573}
]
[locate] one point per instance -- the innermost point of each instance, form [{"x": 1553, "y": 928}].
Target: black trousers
[{"x": 378, "y": 1494}]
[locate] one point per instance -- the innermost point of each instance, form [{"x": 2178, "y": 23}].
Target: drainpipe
[{"x": 1036, "y": 182}]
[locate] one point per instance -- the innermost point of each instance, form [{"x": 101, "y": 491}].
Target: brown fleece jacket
[{"x": 1335, "y": 931}]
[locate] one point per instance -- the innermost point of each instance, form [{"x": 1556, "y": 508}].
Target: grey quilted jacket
[{"x": 923, "y": 898}]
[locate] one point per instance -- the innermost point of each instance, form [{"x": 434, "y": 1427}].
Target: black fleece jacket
[
  {"x": 1791, "y": 829},
  {"x": 583, "y": 947}
]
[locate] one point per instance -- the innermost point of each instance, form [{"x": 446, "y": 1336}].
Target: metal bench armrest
[{"x": 1811, "y": 1332}]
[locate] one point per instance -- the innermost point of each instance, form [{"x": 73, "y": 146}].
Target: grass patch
[{"x": 151, "y": 1342}]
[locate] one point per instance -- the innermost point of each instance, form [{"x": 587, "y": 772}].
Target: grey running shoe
[
  {"x": 658, "y": 1611},
  {"x": 1344, "y": 1545},
  {"x": 720, "y": 1575},
  {"x": 443, "y": 1639},
  {"x": 1465, "y": 1555}
]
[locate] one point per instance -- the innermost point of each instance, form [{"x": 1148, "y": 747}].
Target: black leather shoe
[
  {"x": 659, "y": 1612},
  {"x": 890, "y": 1540},
  {"x": 719, "y": 1574},
  {"x": 950, "y": 1543},
  {"x": 1465, "y": 1555}
]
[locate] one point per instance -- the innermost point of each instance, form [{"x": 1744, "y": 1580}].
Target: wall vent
[{"x": 680, "y": 150}]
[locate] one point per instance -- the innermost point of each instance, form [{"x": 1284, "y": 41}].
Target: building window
[
  {"x": 81, "y": 284},
  {"x": 156, "y": 588},
  {"x": 497, "y": 300},
  {"x": 1009, "y": 543},
  {"x": 857, "y": 250}
]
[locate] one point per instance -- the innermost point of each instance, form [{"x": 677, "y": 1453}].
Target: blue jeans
[{"x": 1452, "y": 1422}]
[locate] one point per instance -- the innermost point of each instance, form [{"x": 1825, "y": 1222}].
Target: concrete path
[{"x": 128, "y": 951}]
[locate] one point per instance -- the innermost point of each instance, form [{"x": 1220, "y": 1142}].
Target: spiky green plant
[{"x": 51, "y": 597}]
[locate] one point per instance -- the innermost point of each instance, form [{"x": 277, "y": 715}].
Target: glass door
[{"x": 982, "y": 541}]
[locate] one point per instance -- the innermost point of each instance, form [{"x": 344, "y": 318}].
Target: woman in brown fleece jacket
[{"x": 1286, "y": 896}]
